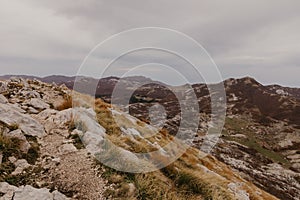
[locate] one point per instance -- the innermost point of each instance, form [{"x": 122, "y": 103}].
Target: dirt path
[{"x": 71, "y": 171}]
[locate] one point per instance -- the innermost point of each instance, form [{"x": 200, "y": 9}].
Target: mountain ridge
[{"x": 50, "y": 141}]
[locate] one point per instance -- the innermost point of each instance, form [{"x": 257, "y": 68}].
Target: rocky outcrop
[
  {"x": 39, "y": 153},
  {"x": 28, "y": 192},
  {"x": 14, "y": 117}
]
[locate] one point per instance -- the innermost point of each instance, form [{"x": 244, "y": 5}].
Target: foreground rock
[
  {"x": 14, "y": 117},
  {"x": 28, "y": 193}
]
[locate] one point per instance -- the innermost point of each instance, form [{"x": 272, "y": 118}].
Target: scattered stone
[
  {"x": 20, "y": 165},
  {"x": 31, "y": 94},
  {"x": 12, "y": 159},
  {"x": 67, "y": 148},
  {"x": 296, "y": 167},
  {"x": 24, "y": 146},
  {"x": 238, "y": 192},
  {"x": 32, "y": 111},
  {"x": 38, "y": 104},
  {"x": 58, "y": 196},
  {"x": 3, "y": 87},
  {"x": 56, "y": 160},
  {"x": 131, "y": 190},
  {"x": 3, "y": 99},
  {"x": 45, "y": 114}
]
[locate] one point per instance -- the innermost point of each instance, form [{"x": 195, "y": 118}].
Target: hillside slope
[{"x": 43, "y": 154}]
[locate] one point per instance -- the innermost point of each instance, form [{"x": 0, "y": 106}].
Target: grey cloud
[{"x": 244, "y": 37}]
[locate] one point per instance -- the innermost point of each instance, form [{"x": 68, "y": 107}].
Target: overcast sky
[{"x": 255, "y": 38}]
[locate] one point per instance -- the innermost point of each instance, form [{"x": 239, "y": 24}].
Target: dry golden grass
[
  {"x": 67, "y": 103},
  {"x": 192, "y": 176}
]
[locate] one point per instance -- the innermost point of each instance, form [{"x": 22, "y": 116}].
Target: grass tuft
[{"x": 66, "y": 104}]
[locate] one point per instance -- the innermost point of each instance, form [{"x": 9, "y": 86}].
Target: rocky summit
[{"x": 54, "y": 144}]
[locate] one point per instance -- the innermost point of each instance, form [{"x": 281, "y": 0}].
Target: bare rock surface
[
  {"x": 11, "y": 116},
  {"x": 38, "y": 104},
  {"x": 3, "y": 99}
]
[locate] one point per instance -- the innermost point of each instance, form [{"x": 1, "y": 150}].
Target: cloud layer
[{"x": 258, "y": 38}]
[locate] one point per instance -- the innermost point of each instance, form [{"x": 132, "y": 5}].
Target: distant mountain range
[{"x": 244, "y": 95}]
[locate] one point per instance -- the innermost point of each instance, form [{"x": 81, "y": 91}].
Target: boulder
[
  {"x": 28, "y": 192},
  {"x": 38, "y": 104},
  {"x": 296, "y": 167},
  {"x": 59, "y": 120},
  {"x": 24, "y": 146},
  {"x": 93, "y": 133},
  {"x": 3, "y": 99},
  {"x": 20, "y": 165},
  {"x": 67, "y": 148},
  {"x": 30, "y": 94},
  {"x": 11, "y": 116},
  {"x": 32, "y": 110},
  {"x": 45, "y": 114},
  {"x": 3, "y": 87},
  {"x": 7, "y": 190}
]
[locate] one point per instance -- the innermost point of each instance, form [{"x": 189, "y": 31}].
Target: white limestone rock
[
  {"x": 45, "y": 114},
  {"x": 30, "y": 94},
  {"x": 28, "y": 192},
  {"x": 238, "y": 192},
  {"x": 11, "y": 116},
  {"x": 38, "y": 104},
  {"x": 7, "y": 190},
  {"x": 3, "y": 99},
  {"x": 20, "y": 165},
  {"x": 3, "y": 87},
  {"x": 67, "y": 148}
]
